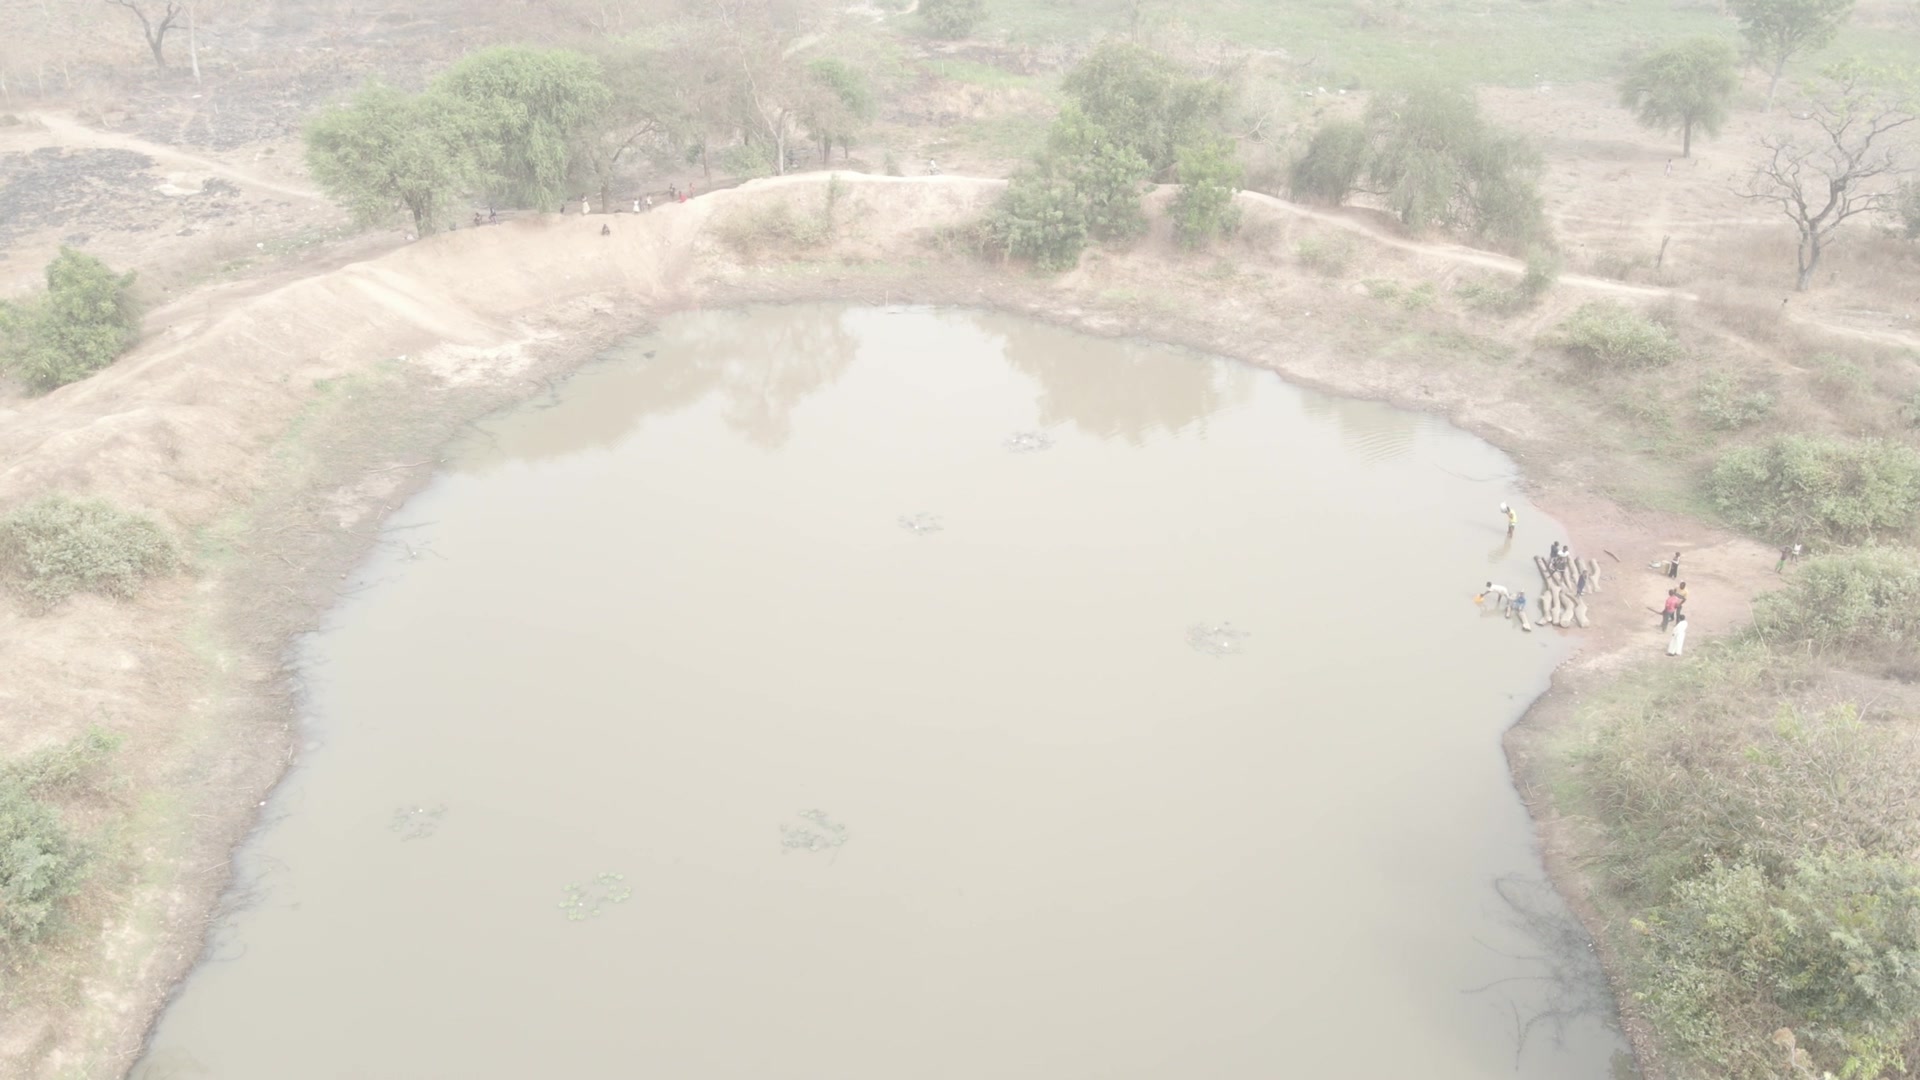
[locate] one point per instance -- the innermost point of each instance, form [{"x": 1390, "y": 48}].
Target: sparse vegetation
[
  {"x": 953, "y": 18},
  {"x": 83, "y": 322},
  {"x": 1613, "y": 337},
  {"x": 1725, "y": 405},
  {"x": 1806, "y": 486},
  {"x": 1334, "y": 162},
  {"x": 55, "y": 547},
  {"x": 1781, "y": 31}
]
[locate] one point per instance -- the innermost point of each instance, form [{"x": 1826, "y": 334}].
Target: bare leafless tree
[
  {"x": 156, "y": 31},
  {"x": 1838, "y": 165}
]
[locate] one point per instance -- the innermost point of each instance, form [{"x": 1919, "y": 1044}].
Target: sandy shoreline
[{"x": 275, "y": 431}]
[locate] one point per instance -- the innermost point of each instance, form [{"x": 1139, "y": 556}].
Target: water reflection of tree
[
  {"x": 1567, "y": 983},
  {"x": 762, "y": 363},
  {"x": 1122, "y": 389}
]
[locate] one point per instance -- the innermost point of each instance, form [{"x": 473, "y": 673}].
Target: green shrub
[
  {"x": 40, "y": 864},
  {"x": 1724, "y": 405},
  {"x": 1830, "y": 950},
  {"x": 1615, "y": 337},
  {"x": 1331, "y": 167},
  {"x": 1085, "y": 186},
  {"x": 84, "y": 322},
  {"x": 1862, "y": 598},
  {"x": 1837, "y": 378},
  {"x": 56, "y": 546},
  {"x": 953, "y": 18},
  {"x": 1814, "y": 486},
  {"x": 1204, "y": 208}
]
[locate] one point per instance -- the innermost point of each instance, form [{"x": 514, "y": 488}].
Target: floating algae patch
[
  {"x": 1026, "y": 442},
  {"x": 1217, "y": 639},
  {"x": 819, "y": 833},
  {"x": 921, "y": 524},
  {"x": 416, "y": 822},
  {"x": 585, "y": 901}
]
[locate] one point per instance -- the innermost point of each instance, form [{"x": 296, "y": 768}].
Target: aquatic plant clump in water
[
  {"x": 587, "y": 901},
  {"x": 1023, "y": 442},
  {"x": 1217, "y": 640},
  {"x": 820, "y": 833},
  {"x": 921, "y": 524},
  {"x": 416, "y": 822}
]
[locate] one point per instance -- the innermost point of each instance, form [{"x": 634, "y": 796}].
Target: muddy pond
[{"x": 851, "y": 693}]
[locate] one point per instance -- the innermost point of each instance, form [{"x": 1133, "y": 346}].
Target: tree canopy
[
  {"x": 1779, "y": 31},
  {"x": 528, "y": 108},
  {"x": 1687, "y": 86},
  {"x": 1437, "y": 161},
  {"x": 388, "y": 150},
  {"x": 1146, "y": 101}
]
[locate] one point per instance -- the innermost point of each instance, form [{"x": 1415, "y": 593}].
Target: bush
[
  {"x": 1543, "y": 272},
  {"x": 1147, "y": 103},
  {"x": 1204, "y": 208},
  {"x": 55, "y": 547},
  {"x": 84, "y": 322},
  {"x": 1814, "y": 486},
  {"x": 1438, "y": 162},
  {"x": 1328, "y": 255},
  {"x": 1859, "y": 599},
  {"x": 1331, "y": 168},
  {"x": 1906, "y": 203},
  {"x": 1728, "y": 407},
  {"x": 953, "y": 18},
  {"x": 40, "y": 864},
  {"x": 1615, "y": 337},
  {"x": 1830, "y": 950},
  {"x": 1086, "y": 186}
]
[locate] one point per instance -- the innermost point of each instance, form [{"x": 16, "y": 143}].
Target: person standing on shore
[
  {"x": 1671, "y": 611},
  {"x": 1678, "y": 639},
  {"x": 1673, "y": 568}
]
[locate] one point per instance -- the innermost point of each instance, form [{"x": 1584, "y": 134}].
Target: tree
[
  {"x": 1906, "y": 204},
  {"x": 1777, "y": 31},
  {"x": 387, "y": 151},
  {"x": 84, "y": 322},
  {"x": 839, "y": 104},
  {"x": 953, "y": 18},
  {"x": 155, "y": 31},
  {"x": 1687, "y": 86},
  {"x": 1085, "y": 186},
  {"x": 1209, "y": 178},
  {"x": 642, "y": 111},
  {"x": 1839, "y": 165},
  {"x": 1334, "y": 161},
  {"x": 768, "y": 83},
  {"x": 1436, "y": 161},
  {"x": 530, "y": 108},
  {"x": 1143, "y": 99}
]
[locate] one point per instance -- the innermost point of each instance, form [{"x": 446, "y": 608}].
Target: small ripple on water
[
  {"x": 1024, "y": 442},
  {"x": 585, "y": 901},
  {"x": 416, "y": 822},
  {"x": 921, "y": 524},
  {"x": 819, "y": 833}
]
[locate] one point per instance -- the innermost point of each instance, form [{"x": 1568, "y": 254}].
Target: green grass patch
[{"x": 55, "y": 547}]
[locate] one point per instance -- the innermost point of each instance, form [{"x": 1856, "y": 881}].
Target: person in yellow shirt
[{"x": 1513, "y": 519}]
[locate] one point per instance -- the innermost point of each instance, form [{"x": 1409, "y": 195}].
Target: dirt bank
[{"x": 274, "y": 429}]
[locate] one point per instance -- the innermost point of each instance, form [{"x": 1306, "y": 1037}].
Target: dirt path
[{"x": 66, "y": 131}]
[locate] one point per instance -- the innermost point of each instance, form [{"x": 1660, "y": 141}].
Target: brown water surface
[{"x": 858, "y": 694}]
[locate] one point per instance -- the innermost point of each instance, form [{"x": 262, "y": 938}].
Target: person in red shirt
[{"x": 1672, "y": 610}]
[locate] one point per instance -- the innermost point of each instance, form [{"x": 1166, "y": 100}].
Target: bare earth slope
[{"x": 272, "y": 430}]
